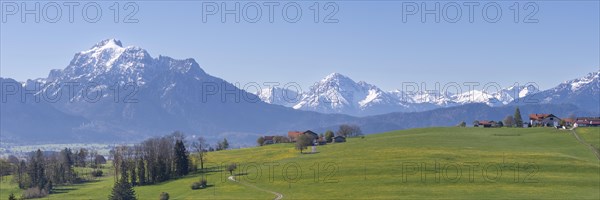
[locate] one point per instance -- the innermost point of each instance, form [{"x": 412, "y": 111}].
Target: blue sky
[{"x": 370, "y": 42}]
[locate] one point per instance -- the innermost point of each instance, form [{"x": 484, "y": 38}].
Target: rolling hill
[{"x": 448, "y": 163}]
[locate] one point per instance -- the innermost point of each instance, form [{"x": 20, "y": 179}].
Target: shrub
[
  {"x": 164, "y": 196},
  {"x": 199, "y": 185},
  {"x": 260, "y": 141},
  {"x": 12, "y": 197},
  {"x": 34, "y": 192},
  {"x": 196, "y": 185},
  {"x": 97, "y": 173},
  {"x": 231, "y": 168}
]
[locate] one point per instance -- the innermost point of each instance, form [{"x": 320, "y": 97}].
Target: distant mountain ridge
[
  {"x": 583, "y": 92},
  {"x": 114, "y": 93},
  {"x": 337, "y": 93}
]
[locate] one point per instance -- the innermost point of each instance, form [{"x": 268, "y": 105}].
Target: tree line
[
  {"x": 152, "y": 161},
  {"x": 41, "y": 171},
  {"x": 514, "y": 120},
  {"x": 157, "y": 160}
]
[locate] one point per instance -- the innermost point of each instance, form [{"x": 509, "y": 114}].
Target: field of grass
[
  {"x": 7, "y": 187},
  {"x": 430, "y": 163},
  {"x": 591, "y": 135}
]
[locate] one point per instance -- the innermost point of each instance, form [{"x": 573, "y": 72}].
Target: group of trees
[
  {"x": 154, "y": 160},
  {"x": 348, "y": 130},
  {"x": 512, "y": 120},
  {"x": 276, "y": 139},
  {"x": 303, "y": 141},
  {"x": 345, "y": 130},
  {"x": 41, "y": 171},
  {"x": 222, "y": 145},
  {"x": 509, "y": 121}
]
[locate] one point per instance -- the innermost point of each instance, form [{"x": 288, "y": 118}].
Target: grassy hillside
[
  {"x": 590, "y": 135},
  {"x": 472, "y": 163}
]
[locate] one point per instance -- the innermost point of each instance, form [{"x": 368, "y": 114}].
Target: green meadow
[
  {"x": 430, "y": 163},
  {"x": 591, "y": 136}
]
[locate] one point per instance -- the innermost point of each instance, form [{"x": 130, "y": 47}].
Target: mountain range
[
  {"x": 337, "y": 93},
  {"x": 113, "y": 93}
]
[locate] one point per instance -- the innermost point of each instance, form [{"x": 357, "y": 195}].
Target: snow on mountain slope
[
  {"x": 583, "y": 92},
  {"x": 337, "y": 93},
  {"x": 587, "y": 86},
  {"x": 122, "y": 93},
  {"x": 515, "y": 93},
  {"x": 587, "y": 82},
  {"x": 475, "y": 96},
  {"x": 279, "y": 96}
]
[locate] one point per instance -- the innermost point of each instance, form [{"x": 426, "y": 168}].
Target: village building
[
  {"x": 339, "y": 138},
  {"x": 543, "y": 120},
  {"x": 587, "y": 121},
  {"x": 486, "y": 124},
  {"x": 268, "y": 140}
]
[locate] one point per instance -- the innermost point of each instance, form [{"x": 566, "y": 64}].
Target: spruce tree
[
  {"x": 518, "y": 119},
  {"x": 181, "y": 159},
  {"x": 122, "y": 191}
]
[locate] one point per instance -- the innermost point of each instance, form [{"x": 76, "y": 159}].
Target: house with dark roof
[
  {"x": 543, "y": 120},
  {"x": 293, "y": 135},
  {"x": 268, "y": 140},
  {"x": 339, "y": 138},
  {"x": 311, "y": 134}
]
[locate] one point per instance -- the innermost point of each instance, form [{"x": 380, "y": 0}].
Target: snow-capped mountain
[
  {"x": 123, "y": 93},
  {"x": 279, "y": 96},
  {"x": 583, "y": 92},
  {"x": 115, "y": 93},
  {"x": 110, "y": 78},
  {"x": 109, "y": 61},
  {"x": 337, "y": 93},
  {"x": 515, "y": 93}
]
